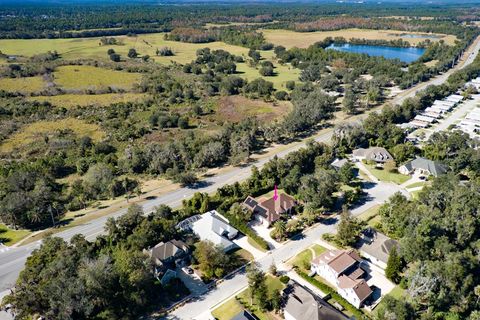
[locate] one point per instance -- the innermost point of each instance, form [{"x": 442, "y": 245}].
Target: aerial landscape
[{"x": 181, "y": 159}]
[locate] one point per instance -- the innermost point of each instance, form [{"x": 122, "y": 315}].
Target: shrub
[
  {"x": 165, "y": 52},
  {"x": 284, "y": 279},
  {"x": 290, "y": 85},
  {"x": 281, "y": 95}
]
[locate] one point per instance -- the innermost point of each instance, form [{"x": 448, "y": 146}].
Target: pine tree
[{"x": 394, "y": 266}]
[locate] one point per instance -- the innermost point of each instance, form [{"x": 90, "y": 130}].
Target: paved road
[
  {"x": 200, "y": 308},
  {"x": 12, "y": 261}
]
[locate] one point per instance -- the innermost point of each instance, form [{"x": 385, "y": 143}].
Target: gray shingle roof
[{"x": 435, "y": 168}]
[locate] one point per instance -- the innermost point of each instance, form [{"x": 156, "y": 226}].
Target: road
[
  {"x": 199, "y": 309},
  {"x": 13, "y": 260}
]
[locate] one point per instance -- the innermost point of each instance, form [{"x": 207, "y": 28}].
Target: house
[
  {"x": 376, "y": 247},
  {"x": 211, "y": 226},
  {"x": 342, "y": 268},
  {"x": 423, "y": 166},
  {"x": 377, "y": 154},
  {"x": 337, "y": 164},
  {"x": 267, "y": 211},
  {"x": 302, "y": 304},
  {"x": 167, "y": 254},
  {"x": 244, "y": 315},
  {"x": 424, "y": 118}
]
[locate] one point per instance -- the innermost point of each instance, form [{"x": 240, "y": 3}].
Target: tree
[
  {"x": 115, "y": 57},
  {"x": 273, "y": 269},
  {"x": 347, "y": 173},
  {"x": 267, "y": 71},
  {"x": 276, "y": 300},
  {"x": 348, "y": 229},
  {"x": 132, "y": 53},
  {"x": 349, "y": 102},
  {"x": 390, "y": 166},
  {"x": 280, "y": 230},
  {"x": 394, "y": 266},
  {"x": 211, "y": 259},
  {"x": 257, "y": 286}
]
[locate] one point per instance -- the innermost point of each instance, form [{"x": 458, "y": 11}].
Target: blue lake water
[{"x": 403, "y": 54}]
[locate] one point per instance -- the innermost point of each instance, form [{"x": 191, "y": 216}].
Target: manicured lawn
[
  {"x": 86, "y": 77},
  {"x": 9, "y": 236},
  {"x": 384, "y": 175},
  {"x": 243, "y": 254},
  {"x": 371, "y": 216},
  {"x": 397, "y": 293},
  {"x": 417, "y": 184},
  {"x": 227, "y": 310},
  {"x": 304, "y": 258},
  {"x": 255, "y": 244},
  {"x": 73, "y": 100}
]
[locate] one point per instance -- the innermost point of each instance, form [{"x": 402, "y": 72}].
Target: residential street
[{"x": 200, "y": 309}]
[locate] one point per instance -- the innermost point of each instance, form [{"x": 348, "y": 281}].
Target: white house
[
  {"x": 211, "y": 226},
  {"x": 342, "y": 269}
]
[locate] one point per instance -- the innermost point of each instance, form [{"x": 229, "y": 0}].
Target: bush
[
  {"x": 281, "y": 95},
  {"x": 266, "y": 46},
  {"x": 267, "y": 71},
  {"x": 284, "y": 279},
  {"x": 165, "y": 52},
  {"x": 290, "y": 85}
]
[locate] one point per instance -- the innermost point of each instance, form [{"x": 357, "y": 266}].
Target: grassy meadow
[
  {"x": 73, "y": 100},
  {"x": 23, "y": 85},
  {"x": 36, "y": 132},
  {"x": 88, "y": 77}
]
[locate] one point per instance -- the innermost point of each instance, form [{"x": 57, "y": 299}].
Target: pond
[{"x": 403, "y": 54}]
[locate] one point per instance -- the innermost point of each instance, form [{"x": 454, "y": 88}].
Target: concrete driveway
[
  {"x": 244, "y": 244},
  {"x": 264, "y": 232},
  {"x": 193, "y": 282}
]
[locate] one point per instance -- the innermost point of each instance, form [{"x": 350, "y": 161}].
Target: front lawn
[
  {"x": 371, "y": 216},
  {"x": 303, "y": 259},
  {"x": 227, "y": 310},
  {"x": 384, "y": 175}
]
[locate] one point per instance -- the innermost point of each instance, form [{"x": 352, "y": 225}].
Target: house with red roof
[{"x": 270, "y": 209}]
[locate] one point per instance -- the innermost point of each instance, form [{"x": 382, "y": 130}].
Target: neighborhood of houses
[
  {"x": 450, "y": 111},
  {"x": 356, "y": 274}
]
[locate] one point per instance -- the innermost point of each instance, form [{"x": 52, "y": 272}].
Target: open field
[
  {"x": 283, "y": 73},
  {"x": 73, "y": 100},
  {"x": 23, "y": 85},
  {"x": 290, "y": 39},
  {"x": 237, "y": 108},
  {"x": 36, "y": 132},
  {"x": 88, "y": 77}
]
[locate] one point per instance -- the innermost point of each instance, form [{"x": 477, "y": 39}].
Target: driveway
[
  {"x": 196, "y": 286},
  {"x": 264, "y": 232},
  {"x": 244, "y": 244}
]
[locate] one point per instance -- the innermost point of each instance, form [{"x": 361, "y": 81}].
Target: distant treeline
[{"x": 44, "y": 21}]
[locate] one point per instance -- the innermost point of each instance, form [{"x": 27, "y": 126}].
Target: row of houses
[
  {"x": 418, "y": 165},
  {"x": 435, "y": 112},
  {"x": 471, "y": 123}
]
